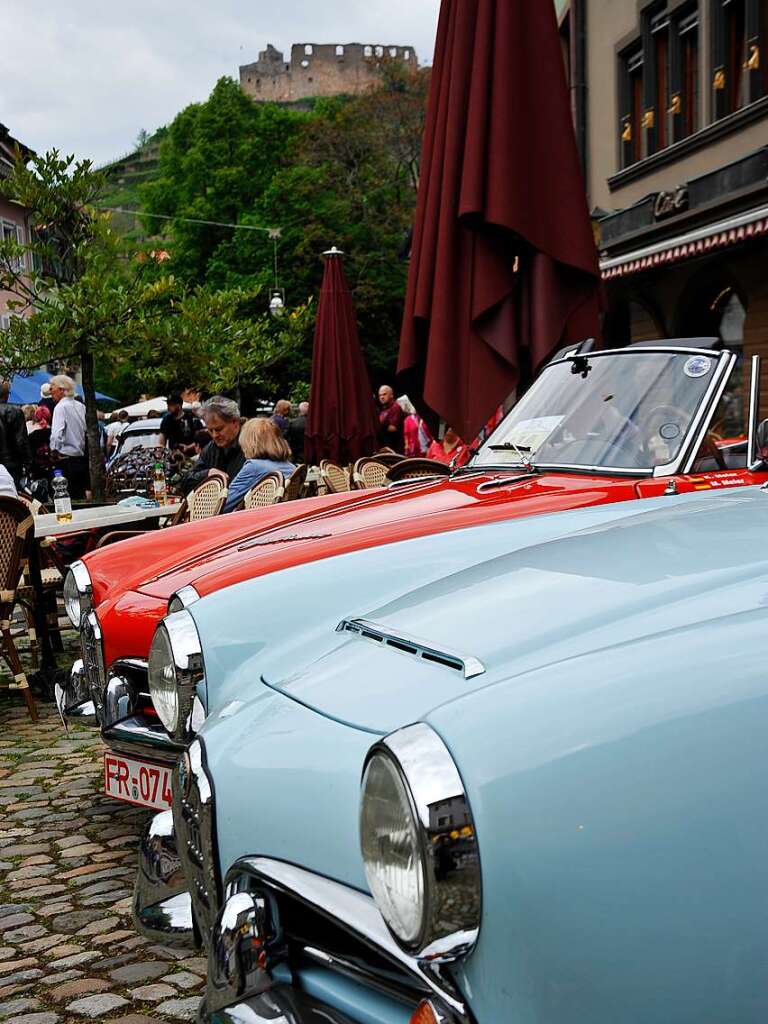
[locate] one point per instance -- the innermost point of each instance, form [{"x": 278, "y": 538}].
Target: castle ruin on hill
[{"x": 327, "y": 69}]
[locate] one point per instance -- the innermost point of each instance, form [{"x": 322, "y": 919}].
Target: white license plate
[{"x": 137, "y": 782}]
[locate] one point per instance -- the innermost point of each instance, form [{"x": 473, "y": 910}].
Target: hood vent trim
[{"x": 405, "y": 643}]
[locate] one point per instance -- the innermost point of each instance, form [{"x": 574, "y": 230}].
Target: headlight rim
[
  {"x": 78, "y": 571},
  {"x": 407, "y": 748},
  {"x": 187, "y": 663},
  {"x": 185, "y": 596}
]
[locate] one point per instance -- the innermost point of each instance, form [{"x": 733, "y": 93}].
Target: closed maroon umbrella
[
  {"x": 504, "y": 265},
  {"x": 343, "y": 423}
]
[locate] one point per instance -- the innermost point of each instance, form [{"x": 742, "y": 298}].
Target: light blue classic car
[{"x": 528, "y": 788}]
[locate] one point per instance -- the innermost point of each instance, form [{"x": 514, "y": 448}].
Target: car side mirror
[{"x": 762, "y": 441}]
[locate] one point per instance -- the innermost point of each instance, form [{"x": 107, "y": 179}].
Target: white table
[{"x": 100, "y": 517}]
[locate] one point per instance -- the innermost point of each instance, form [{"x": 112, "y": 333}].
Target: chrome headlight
[
  {"x": 419, "y": 845},
  {"x": 78, "y": 593},
  {"x": 175, "y": 668},
  {"x": 183, "y": 598}
]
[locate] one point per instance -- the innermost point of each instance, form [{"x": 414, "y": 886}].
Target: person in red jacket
[{"x": 451, "y": 447}]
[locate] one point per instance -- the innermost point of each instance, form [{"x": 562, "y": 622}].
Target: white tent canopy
[{"x": 140, "y": 410}]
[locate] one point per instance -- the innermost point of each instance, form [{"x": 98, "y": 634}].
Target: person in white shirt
[
  {"x": 115, "y": 428},
  {"x": 7, "y": 486},
  {"x": 67, "y": 442}
]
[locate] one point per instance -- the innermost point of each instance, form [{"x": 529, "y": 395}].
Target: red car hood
[{"x": 367, "y": 519}]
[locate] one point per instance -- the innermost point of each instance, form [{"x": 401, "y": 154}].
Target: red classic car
[{"x": 595, "y": 427}]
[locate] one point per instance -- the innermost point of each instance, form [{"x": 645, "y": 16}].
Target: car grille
[
  {"x": 194, "y": 819},
  {"x": 93, "y": 660}
]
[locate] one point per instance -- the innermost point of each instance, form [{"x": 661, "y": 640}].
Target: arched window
[
  {"x": 339, "y": 51},
  {"x": 379, "y": 51},
  {"x": 308, "y": 50},
  {"x": 368, "y": 51},
  {"x": 393, "y": 51},
  {"x": 406, "y": 54}
]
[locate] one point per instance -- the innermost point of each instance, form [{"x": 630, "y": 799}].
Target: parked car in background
[
  {"x": 595, "y": 428},
  {"x": 139, "y": 434},
  {"x": 528, "y": 790}
]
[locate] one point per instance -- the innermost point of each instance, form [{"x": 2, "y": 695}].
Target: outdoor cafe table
[{"x": 101, "y": 517}]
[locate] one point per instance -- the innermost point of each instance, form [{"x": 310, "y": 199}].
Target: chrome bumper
[
  {"x": 124, "y": 727},
  {"x": 162, "y": 908},
  {"x": 73, "y": 698},
  {"x": 282, "y": 1005},
  {"x": 250, "y": 957}
]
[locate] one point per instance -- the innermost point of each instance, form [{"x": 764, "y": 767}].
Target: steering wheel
[{"x": 603, "y": 447}]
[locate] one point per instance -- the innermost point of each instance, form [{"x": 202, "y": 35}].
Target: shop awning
[{"x": 740, "y": 228}]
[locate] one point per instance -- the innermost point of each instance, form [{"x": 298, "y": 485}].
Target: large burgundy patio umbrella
[
  {"x": 503, "y": 265},
  {"x": 343, "y": 423}
]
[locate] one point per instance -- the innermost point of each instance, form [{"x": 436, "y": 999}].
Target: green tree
[{"x": 70, "y": 296}]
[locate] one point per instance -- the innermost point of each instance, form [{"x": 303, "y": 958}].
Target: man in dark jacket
[
  {"x": 223, "y": 454},
  {"x": 14, "y": 443},
  {"x": 296, "y": 429}
]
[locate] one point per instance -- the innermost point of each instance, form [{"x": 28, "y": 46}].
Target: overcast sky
[{"x": 85, "y": 76}]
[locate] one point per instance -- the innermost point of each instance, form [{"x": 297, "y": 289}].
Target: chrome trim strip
[
  {"x": 753, "y": 460},
  {"x": 468, "y": 665},
  {"x": 73, "y": 697},
  {"x": 702, "y": 419},
  {"x": 354, "y": 911},
  {"x": 135, "y": 738}
]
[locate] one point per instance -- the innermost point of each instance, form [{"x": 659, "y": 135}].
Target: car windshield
[
  {"x": 144, "y": 440},
  {"x": 627, "y": 410}
]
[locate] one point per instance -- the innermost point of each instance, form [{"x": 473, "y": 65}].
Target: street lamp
[{"x": 277, "y": 302}]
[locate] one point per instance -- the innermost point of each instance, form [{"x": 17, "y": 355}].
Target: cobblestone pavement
[{"x": 68, "y": 950}]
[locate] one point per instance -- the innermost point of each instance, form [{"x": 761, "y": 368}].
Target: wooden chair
[
  {"x": 412, "y": 469},
  {"x": 294, "y": 485},
  {"x": 268, "y": 491},
  {"x": 387, "y": 457},
  {"x": 369, "y": 473},
  {"x": 17, "y": 530},
  {"x": 335, "y": 478}
]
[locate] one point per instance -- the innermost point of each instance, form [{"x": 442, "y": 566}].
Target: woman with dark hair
[{"x": 266, "y": 451}]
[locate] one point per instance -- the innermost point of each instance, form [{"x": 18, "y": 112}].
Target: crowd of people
[{"x": 206, "y": 438}]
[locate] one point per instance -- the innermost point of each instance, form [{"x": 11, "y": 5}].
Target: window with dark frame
[
  {"x": 739, "y": 41},
  {"x": 631, "y": 70},
  {"x": 656, "y": 84}
]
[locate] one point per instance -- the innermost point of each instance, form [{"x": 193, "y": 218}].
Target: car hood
[
  {"x": 508, "y": 595},
  {"x": 287, "y": 535},
  {"x": 543, "y": 603}
]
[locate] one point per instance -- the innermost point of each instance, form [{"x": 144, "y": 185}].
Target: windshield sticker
[
  {"x": 697, "y": 366},
  {"x": 530, "y": 434}
]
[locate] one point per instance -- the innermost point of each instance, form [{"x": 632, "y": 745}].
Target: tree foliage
[
  {"x": 344, "y": 173},
  {"x": 79, "y": 301}
]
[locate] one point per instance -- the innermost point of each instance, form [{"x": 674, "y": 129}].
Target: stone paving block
[
  {"x": 80, "y": 987},
  {"x": 145, "y": 971},
  {"x": 14, "y": 1006},
  {"x": 152, "y": 993},
  {"x": 14, "y": 920},
  {"x": 98, "y": 1005},
  {"x": 99, "y": 927},
  {"x": 136, "y": 1018},
  {"x": 34, "y": 1018},
  {"x": 13, "y": 965},
  {"x": 182, "y": 1009},
  {"x": 60, "y": 978},
  {"x": 78, "y": 958},
  {"x": 184, "y": 980}
]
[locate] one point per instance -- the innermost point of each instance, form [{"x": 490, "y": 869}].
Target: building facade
[
  {"x": 14, "y": 219},
  {"x": 330, "y": 69},
  {"x": 670, "y": 101}
]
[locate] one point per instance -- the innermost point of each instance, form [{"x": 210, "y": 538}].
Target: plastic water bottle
[
  {"x": 62, "y": 503},
  {"x": 159, "y": 484}
]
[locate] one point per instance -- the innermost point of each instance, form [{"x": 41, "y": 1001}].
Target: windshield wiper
[{"x": 526, "y": 461}]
